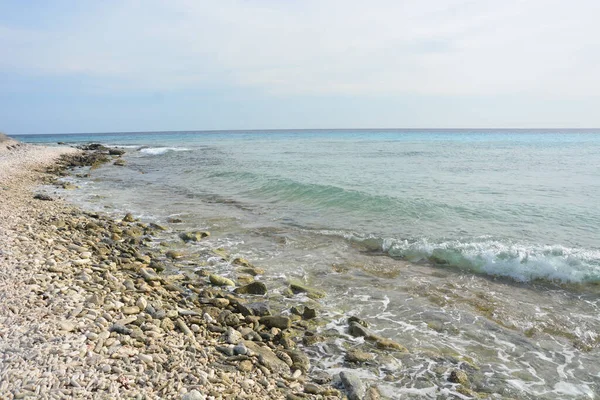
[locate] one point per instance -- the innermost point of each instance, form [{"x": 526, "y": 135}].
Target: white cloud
[{"x": 453, "y": 47}]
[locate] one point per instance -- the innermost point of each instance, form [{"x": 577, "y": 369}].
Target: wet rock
[
  {"x": 120, "y": 162},
  {"x": 358, "y": 321},
  {"x": 42, "y": 196},
  {"x": 357, "y": 330},
  {"x": 257, "y": 288},
  {"x": 242, "y": 262},
  {"x": 174, "y": 255},
  {"x": 386, "y": 344},
  {"x": 458, "y": 376},
  {"x": 358, "y": 356},
  {"x": 128, "y": 218},
  {"x": 193, "y": 236},
  {"x": 355, "y": 388},
  {"x": 299, "y": 287},
  {"x": 321, "y": 377},
  {"x": 220, "y": 281},
  {"x": 276, "y": 321},
  {"x": 309, "y": 313},
  {"x": 116, "y": 152},
  {"x": 174, "y": 220}
]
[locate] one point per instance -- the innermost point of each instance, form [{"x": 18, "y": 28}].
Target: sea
[{"x": 476, "y": 249}]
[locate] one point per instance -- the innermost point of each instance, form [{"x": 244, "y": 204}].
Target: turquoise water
[
  {"x": 477, "y": 250},
  {"x": 521, "y": 204}
]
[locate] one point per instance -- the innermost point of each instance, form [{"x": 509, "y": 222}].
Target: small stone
[
  {"x": 311, "y": 388},
  {"x": 245, "y": 366},
  {"x": 193, "y": 395},
  {"x": 149, "y": 274},
  {"x": 130, "y": 310},
  {"x": 240, "y": 349},
  {"x": 142, "y": 303},
  {"x": 232, "y": 336},
  {"x": 146, "y": 358},
  {"x": 67, "y": 326}
]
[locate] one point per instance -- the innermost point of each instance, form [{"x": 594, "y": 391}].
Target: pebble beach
[{"x": 88, "y": 310}]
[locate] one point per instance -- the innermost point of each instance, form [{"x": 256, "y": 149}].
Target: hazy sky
[{"x": 98, "y": 66}]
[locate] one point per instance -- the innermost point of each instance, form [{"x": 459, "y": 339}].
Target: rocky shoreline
[{"x": 91, "y": 309}]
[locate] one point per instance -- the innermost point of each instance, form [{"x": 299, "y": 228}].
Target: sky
[{"x": 150, "y": 65}]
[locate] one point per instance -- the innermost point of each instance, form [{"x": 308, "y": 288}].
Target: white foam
[{"x": 154, "y": 151}]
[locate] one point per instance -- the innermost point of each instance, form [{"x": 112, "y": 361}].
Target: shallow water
[{"x": 474, "y": 249}]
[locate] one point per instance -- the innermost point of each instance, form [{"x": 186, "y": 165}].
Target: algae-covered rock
[
  {"x": 258, "y": 288},
  {"x": 299, "y": 287},
  {"x": 128, "y": 218},
  {"x": 458, "y": 376},
  {"x": 218, "y": 280},
  {"x": 193, "y": 236},
  {"x": 358, "y": 356},
  {"x": 174, "y": 255},
  {"x": 120, "y": 162}
]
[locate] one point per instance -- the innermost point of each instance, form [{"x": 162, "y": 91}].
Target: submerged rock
[
  {"x": 299, "y": 287},
  {"x": 193, "y": 236},
  {"x": 458, "y": 376}
]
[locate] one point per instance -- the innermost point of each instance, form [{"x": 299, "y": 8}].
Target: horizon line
[{"x": 302, "y": 129}]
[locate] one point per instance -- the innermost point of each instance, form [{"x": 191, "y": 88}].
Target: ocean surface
[{"x": 476, "y": 249}]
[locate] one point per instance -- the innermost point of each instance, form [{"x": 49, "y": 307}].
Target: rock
[
  {"x": 116, "y": 152},
  {"x": 232, "y": 336},
  {"x": 67, "y": 326},
  {"x": 358, "y": 320},
  {"x": 321, "y": 377},
  {"x": 42, "y": 196},
  {"x": 120, "y": 162},
  {"x": 386, "y": 344},
  {"x": 128, "y": 218},
  {"x": 240, "y": 349},
  {"x": 220, "y": 281},
  {"x": 173, "y": 220},
  {"x": 174, "y": 255},
  {"x": 299, "y": 287},
  {"x": 149, "y": 274},
  {"x": 227, "y": 350},
  {"x": 354, "y": 387},
  {"x": 242, "y": 262},
  {"x": 130, "y": 310},
  {"x": 276, "y": 321},
  {"x": 267, "y": 358},
  {"x": 458, "y": 376},
  {"x": 142, "y": 303},
  {"x": 252, "y": 271},
  {"x": 246, "y": 365},
  {"x": 193, "y": 395},
  {"x": 357, "y": 330},
  {"x": 299, "y": 360},
  {"x": 311, "y": 388},
  {"x": 258, "y": 288},
  {"x": 358, "y": 356},
  {"x": 157, "y": 227},
  {"x": 193, "y": 236},
  {"x": 309, "y": 313},
  {"x": 122, "y": 329},
  {"x": 260, "y": 309}
]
